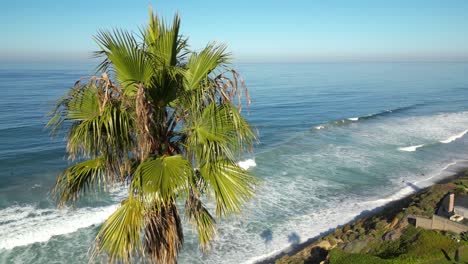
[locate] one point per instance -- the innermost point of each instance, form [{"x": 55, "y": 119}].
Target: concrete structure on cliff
[
  {"x": 452, "y": 215},
  {"x": 454, "y": 208}
]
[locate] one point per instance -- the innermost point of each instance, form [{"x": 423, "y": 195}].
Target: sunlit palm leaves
[
  {"x": 200, "y": 65},
  {"x": 120, "y": 236},
  {"x": 166, "y": 122},
  {"x": 123, "y": 56},
  {"x": 200, "y": 217},
  {"x": 231, "y": 184},
  {"x": 79, "y": 178},
  {"x": 162, "y": 179}
]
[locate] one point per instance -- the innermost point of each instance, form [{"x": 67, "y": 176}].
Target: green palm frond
[
  {"x": 201, "y": 219},
  {"x": 163, "y": 41},
  {"x": 80, "y": 178},
  {"x": 130, "y": 64},
  {"x": 162, "y": 178},
  {"x": 219, "y": 131},
  {"x": 120, "y": 236},
  {"x": 200, "y": 65},
  {"x": 108, "y": 131},
  {"x": 232, "y": 185},
  {"x": 83, "y": 104},
  {"x": 237, "y": 125}
]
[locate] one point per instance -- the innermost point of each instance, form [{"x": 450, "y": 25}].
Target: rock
[
  {"x": 317, "y": 255},
  {"x": 325, "y": 244},
  {"x": 394, "y": 222},
  {"x": 355, "y": 246},
  {"x": 392, "y": 235},
  {"x": 403, "y": 223},
  {"x": 339, "y": 241}
]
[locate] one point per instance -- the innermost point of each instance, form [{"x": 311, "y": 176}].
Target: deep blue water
[{"x": 335, "y": 139}]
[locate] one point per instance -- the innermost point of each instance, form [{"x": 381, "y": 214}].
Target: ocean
[{"x": 335, "y": 140}]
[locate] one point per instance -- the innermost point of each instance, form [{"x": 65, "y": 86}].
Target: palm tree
[{"x": 165, "y": 122}]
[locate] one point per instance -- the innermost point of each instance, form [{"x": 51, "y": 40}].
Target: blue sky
[{"x": 255, "y": 30}]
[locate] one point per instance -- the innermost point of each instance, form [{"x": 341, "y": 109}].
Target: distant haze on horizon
[{"x": 255, "y": 31}]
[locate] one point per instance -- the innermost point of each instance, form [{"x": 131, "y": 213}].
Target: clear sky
[{"x": 255, "y": 30}]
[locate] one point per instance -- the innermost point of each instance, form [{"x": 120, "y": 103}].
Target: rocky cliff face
[{"x": 386, "y": 234}]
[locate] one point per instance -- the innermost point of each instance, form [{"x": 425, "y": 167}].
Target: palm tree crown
[{"x": 165, "y": 121}]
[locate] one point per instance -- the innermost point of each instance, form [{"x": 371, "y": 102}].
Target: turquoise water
[{"x": 335, "y": 140}]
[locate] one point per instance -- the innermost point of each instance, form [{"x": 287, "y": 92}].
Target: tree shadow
[
  {"x": 413, "y": 186},
  {"x": 446, "y": 254},
  {"x": 294, "y": 238},
  {"x": 267, "y": 235}
]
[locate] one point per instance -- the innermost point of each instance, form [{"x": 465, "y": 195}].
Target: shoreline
[{"x": 392, "y": 205}]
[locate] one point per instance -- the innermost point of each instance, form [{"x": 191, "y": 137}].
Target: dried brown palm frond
[
  {"x": 163, "y": 234},
  {"x": 144, "y": 123}
]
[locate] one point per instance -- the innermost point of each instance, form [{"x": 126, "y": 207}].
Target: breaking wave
[
  {"x": 247, "y": 164},
  {"x": 411, "y": 148},
  {"x": 24, "y": 225},
  {"x": 20, "y": 226},
  {"x": 446, "y": 141},
  {"x": 453, "y": 138},
  {"x": 366, "y": 117}
]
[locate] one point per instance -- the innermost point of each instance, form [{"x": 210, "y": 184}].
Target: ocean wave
[
  {"x": 422, "y": 183},
  {"x": 20, "y": 226},
  {"x": 335, "y": 215},
  {"x": 443, "y": 172},
  {"x": 391, "y": 111},
  {"x": 247, "y": 164},
  {"x": 411, "y": 148},
  {"x": 454, "y": 137},
  {"x": 446, "y": 141},
  {"x": 366, "y": 117}
]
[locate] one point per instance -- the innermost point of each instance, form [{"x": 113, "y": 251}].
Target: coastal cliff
[{"x": 388, "y": 236}]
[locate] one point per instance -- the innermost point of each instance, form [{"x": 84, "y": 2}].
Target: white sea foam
[
  {"x": 412, "y": 187},
  {"x": 455, "y": 137},
  {"x": 319, "y": 127},
  {"x": 443, "y": 172},
  {"x": 20, "y": 226},
  {"x": 334, "y": 215},
  {"x": 398, "y": 195},
  {"x": 353, "y": 118},
  {"x": 247, "y": 164},
  {"x": 411, "y": 148},
  {"x": 285, "y": 192}
]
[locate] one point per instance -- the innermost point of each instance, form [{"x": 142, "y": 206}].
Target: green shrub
[
  {"x": 360, "y": 230},
  {"x": 460, "y": 190},
  {"x": 338, "y": 232},
  {"x": 381, "y": 224},
  {"x": 415, "y": 245},
  {"x": 352, "y": 236},
  {"x": 400, "y": 215},
  {"x": 346, "y": 228},
  {"x": 338, "y": 256},
  {"x": 289, "y": 260}
]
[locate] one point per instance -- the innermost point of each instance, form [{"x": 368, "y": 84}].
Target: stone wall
[{"x": 439, "y": 223}]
